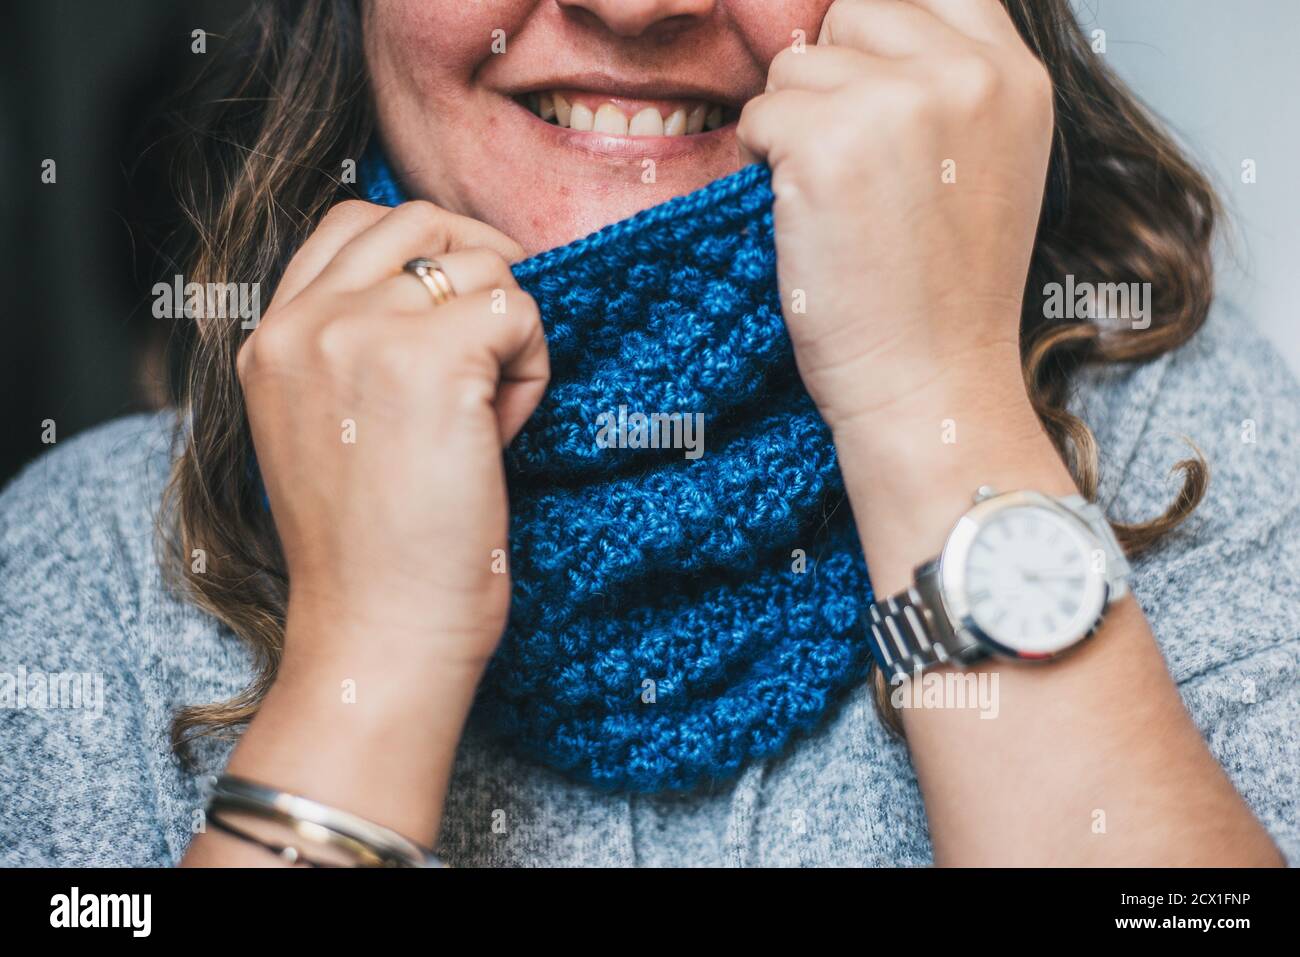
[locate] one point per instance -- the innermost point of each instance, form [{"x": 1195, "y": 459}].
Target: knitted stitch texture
[{"x": 672, "y": 619}]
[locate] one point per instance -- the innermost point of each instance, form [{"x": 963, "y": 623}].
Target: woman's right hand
[{"x": 378, "y": 420}]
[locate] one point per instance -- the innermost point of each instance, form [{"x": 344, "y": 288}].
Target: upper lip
[{"x": 632, "y": 88}]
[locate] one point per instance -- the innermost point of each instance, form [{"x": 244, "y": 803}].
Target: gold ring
[{"x": 435, "y": 280}]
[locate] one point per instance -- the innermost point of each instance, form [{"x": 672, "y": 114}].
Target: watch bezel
[{"x": 953, "y": 562}]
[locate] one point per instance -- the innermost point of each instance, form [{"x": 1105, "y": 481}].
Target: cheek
[
  {"x": 769, "y": 25},
  {"x": 433, "y": 46}
]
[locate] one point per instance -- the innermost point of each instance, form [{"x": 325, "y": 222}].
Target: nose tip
[{"x": 632, "y": 18}]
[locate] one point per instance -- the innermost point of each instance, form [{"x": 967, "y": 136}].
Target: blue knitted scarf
[{"x": 673, "y": 617}]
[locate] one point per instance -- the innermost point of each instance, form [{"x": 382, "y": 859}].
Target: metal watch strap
[
  {"x": 905, "y": 633},
  {"x": 910, "y": 632}
]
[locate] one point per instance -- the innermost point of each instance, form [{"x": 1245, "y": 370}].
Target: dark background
[{"x": 85, "y": 84}]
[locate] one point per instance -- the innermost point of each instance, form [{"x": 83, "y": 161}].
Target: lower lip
[{"x": 624, "y": 147}]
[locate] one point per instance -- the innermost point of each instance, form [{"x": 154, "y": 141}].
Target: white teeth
[
  {"x": 610, "y": 119},
  {"x": 649, "y": 122},
  {"x": 695, "y": 121},
  {"x": 581, "y": 118}
]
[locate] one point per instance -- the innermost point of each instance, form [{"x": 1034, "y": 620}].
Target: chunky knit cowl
[{"x": 673, "y": 617}]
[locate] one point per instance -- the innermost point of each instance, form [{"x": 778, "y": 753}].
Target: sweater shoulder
[
  {"x": 91, "y": 503},
  {"x": 1223, "y": 587},
  {"x": 77, "y": 529},
  {"x": 112, "y": 469},
  {"x": 92, "y": 462},
  {"x": 1225, "y": 396}
]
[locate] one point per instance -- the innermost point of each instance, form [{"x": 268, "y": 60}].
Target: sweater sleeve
[
  {"x": 1222, "y": 592},
  {"x": 1242, "y": 688},
  {"x": 76, "y": 786},
  {"x": 1248, "y": 712}
]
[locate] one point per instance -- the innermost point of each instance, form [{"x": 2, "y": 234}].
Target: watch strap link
[{"x": 904, "y": 633}]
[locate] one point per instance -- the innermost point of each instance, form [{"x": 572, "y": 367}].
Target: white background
[{"x": 1225, "y": 76}]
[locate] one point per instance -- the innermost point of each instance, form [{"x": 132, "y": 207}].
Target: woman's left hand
[{"x": 909, "y": 150}]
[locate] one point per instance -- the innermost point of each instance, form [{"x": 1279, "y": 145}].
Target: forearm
[
  {"x": 358, "y": 735},
  {"x": 1091, "y": 759}
]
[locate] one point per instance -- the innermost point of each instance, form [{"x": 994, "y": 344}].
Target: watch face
[{"x": 1034, "y": 580}]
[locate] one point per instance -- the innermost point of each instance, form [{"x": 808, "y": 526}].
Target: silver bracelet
[{"x": 367, "y": 843}]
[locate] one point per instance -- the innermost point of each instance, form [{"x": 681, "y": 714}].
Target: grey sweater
[{"x": 81, "y": 594}]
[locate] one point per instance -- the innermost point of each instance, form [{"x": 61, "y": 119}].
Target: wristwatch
[{"x": 1022, "y": 575}]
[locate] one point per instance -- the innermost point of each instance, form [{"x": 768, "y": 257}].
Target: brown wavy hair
[{"x": 266, "y": 133}]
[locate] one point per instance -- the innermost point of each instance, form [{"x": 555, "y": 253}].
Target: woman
[{"x": 910, "y": 143}]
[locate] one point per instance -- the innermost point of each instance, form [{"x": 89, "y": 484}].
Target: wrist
[
  {"x": 392, "y": 635},
  {"x": 390, "y": 768},
  {"x": 360, "y": 732},
  {"x": 373, "y": 692},
  {"x": 916, "y": 372},
  {"x": 911, "y": 475}
]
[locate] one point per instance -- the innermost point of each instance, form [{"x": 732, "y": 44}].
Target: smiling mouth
[{"x": 585, "y": 112}]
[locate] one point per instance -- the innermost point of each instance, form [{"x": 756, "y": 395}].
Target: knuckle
[
  {"x": 976, "y": 79},
  {"x": 497, "y": 267},
  {"x": 422, "y": 208},
  {"x": 745, "y": 123},
  {"x": 526, "y": 303},
  {"x": 523, "y": 308},
  {"x": 835, "y": 20},
  {"x": 763, "y": 113},
  {"x": 349, "y": 211},
  {"x": 333, "y": 341},
  {"x": 243, "y": 358},
  {"x": 1039, "y": 86},
  {"x": 920, "y": 104},
  {"x": 279, "y": 346},
  {"x": 818, "y": 174},
  {"x": 782, "y": 67},
  {"x": 514, "y": 251},
  {"x": 269, "y": 347},
  {"x": 503, "y": 300},
  {"x": 467, "y": 394},
  {"x": 899, "y": 99},
  {"x": 787, "y": 183}
]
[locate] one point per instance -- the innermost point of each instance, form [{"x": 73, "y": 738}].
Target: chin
[{"x": 575, "y": 206}]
